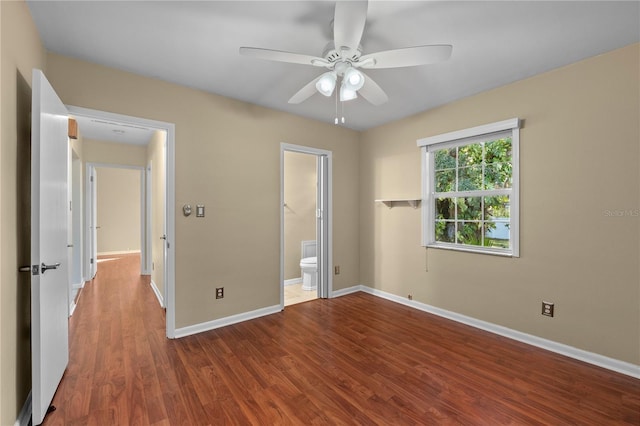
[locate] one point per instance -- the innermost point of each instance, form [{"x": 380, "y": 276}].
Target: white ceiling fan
[{"x": 343, "y": 58}]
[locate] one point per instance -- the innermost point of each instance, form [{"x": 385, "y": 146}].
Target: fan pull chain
[{"x": 342, "y": 106}]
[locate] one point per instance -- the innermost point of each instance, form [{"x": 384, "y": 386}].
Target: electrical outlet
[
  {"x": 547, "y": 309},
  {"x": 337, "y": 269},
  {"x": 219, "y": 292},
  {"x": 410, "y": 297}
]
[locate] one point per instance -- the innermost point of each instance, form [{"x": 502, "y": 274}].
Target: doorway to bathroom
[{"x": 305, "y": 248}]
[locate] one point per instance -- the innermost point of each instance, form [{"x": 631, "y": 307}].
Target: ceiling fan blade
[
  {"x": 306, "y": 92},
  {"x": 407, "y": 57},
  {"x": 280, "y": 56},
  {"x": 372, "y": 92},
  {"x": 348, "y": 24}
]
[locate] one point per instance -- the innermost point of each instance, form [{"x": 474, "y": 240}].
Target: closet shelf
[{"x": 392, "y": 202}]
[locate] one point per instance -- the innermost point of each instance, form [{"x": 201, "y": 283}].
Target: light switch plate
[{"x": 200, "y": 210}]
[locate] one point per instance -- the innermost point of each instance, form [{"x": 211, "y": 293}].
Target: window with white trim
[{"x": 470, "y": 182}]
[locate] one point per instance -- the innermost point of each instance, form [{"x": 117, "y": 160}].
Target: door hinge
[
  {"x": 91, "y": 261},
  {"x": 91, "y": 179}
]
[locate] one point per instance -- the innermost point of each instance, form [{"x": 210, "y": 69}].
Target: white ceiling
[{"x": 196, "y": 44}]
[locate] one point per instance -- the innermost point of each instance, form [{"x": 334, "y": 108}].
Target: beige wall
[
  {"x": 94, "y": 151},
  {"x": 579, "y": 159},
  {"x": 118, "y": 209},
  {"x": 156, "y": 159},
  {"x": 21, "y": 51},
  {"x": 227, "y": 158},
  {"x": 77, "y": 197},
  {"x": 300, "y": 211}
]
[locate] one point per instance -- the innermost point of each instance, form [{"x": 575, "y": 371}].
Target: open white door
[
  {"x": 322, "y": 229},
  {"x": 91, "y": 216},
  {"x": 49, "y": 254}
]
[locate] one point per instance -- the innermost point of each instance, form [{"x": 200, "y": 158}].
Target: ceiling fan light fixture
[
  {"x": 346, "y": 93},
  {"x": 353, "y": 79},
  {"x": 327, "y": 83}
]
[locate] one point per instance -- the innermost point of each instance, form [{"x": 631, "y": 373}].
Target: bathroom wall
[
  {"x": 118, "y": 210},
  {"x": 300, "y": 180},
  {"x": 579, "y": 221}
]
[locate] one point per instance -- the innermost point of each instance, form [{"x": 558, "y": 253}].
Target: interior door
[
  {"x": 322, "y": 229},
  {"x": 92, "y": 217},
  {"x": 49, "y": 254},
  {"x": 70, "y": 260}
]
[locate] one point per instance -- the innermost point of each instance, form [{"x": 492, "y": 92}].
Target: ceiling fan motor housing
[{"x": 333, "y": 55}]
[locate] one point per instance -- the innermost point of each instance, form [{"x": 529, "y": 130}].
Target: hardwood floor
[{"x": 356, "y": 359}]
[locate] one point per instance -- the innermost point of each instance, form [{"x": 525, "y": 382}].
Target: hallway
[{"x": 116, "y": 335}]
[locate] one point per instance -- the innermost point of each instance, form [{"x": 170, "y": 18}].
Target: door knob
[{"x": 45, "y": 268}]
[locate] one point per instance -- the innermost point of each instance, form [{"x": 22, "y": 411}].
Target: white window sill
[{"x": 471, "y": 249}]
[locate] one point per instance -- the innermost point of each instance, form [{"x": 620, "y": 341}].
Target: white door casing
[
  {"x": 322, "y": 229},
  {"x": 49, "y": 253}
]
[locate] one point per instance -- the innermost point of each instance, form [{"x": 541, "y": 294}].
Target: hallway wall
[
  {"x": 119, "y": 209},
  {"x": 156, "y": 157}
]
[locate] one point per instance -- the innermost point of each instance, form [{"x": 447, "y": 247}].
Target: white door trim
[
  {"x": 169, "y": 128},
  {"x": 147, "y": 267},
  {"x": 89, "y": 223},
  {"x": 328, "y": 264}
]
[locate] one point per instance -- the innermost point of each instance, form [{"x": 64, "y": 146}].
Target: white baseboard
[
  {"x": 24, "y": 417},
  {"x": 73, "y": 304},
  {"x": 618, "y": 366},
  {"x": 157, "y": 293},
  {"x": 222, "y": 322},
  {"x": 345, "y": 291},
  {"x": 293, "y": 281},
  {"x": 117, "y": 252}
]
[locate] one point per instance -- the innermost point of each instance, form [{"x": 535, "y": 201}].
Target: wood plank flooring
[{"x": 352, "y": 360}]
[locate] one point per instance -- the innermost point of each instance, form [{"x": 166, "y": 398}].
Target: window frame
[{"x": 477, "y": 134}]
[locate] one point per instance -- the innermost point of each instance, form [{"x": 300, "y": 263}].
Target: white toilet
[
  {"x": 309, "y": 273},
  {"x": 309, "y": 265}
]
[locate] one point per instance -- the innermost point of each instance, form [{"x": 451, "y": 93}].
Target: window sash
[{"x": 506, "y": 128}]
